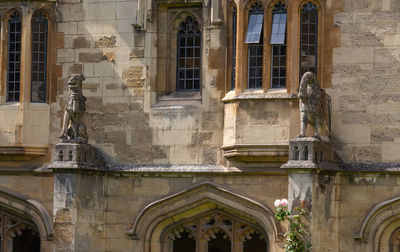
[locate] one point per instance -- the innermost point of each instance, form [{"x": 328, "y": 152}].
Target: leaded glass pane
[
  {"x": 39, "y": 58},
  {"x": 255, "y": 48},
  {"x": 254, "y": 28},
  {"x": 278, "y": 47},
  {"x": 189, "y": 56},
  {"x": 278, "y": 32},
  {"x": 309, "y": 38},
  {"x": 14, "y": 58}
]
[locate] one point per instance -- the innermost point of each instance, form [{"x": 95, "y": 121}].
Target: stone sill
[
  {"x": 259, "y": 94},
  {"x": 22, "y": 152},
  {"x": 179, "y": 100},
  {"x": 257, "y": 153}
]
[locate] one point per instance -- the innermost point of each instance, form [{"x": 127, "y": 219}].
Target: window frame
[
  {"x": 46, "y": 58},
  {"x": 317, "y": 34},
  {"x": 52, "y": 70},
  {"x": 283, "y": 6},
  {"x": 193, "y": 58},
  {"x": 292, "y": 47},
  {"x": 8, "y": 62}
]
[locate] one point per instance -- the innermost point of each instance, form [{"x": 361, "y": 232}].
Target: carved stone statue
[
  {"x": 314, "y": 106},
  {"x": 74, "y": 130}
]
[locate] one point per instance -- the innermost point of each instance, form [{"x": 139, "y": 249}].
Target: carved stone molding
[
  {"x": 272, "y": 154},
  {"x": 32, "y": 209},
  {"x": 206, "y": 227},
  {"x": 22, "y": 152},
  {"x": 167, "y": 212},
  {"x": 380, "y": 215}
]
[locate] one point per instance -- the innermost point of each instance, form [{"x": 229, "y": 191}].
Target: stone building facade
[{"x": 192, "y": 116}]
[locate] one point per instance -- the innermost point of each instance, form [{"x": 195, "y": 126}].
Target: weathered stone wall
[
  {"x": 341, "y": 203},
  {"x": 365, "y": 87},
  {"x": 118, "y": 63},
  {"x": 36, "y": 186},
  {"x": 127, "y": 195}
]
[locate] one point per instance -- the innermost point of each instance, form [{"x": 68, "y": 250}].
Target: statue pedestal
[
  {"x": 78, "y": 198},
  {"x": 311, "y": 172},
  {"x": 310, "y": 154},
  {"x": 78, "y": 156}
]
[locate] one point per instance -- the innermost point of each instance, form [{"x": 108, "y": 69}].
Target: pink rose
[
  {"x": 277, "y": 203},
  {"x": 284, "y": 203}
]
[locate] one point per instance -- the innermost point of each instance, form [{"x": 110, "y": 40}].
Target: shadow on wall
[{"x": 365, "y": 89}]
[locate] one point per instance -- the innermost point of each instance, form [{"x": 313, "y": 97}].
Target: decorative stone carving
[
  {"x": 78, "y": 156},
  {"x": 74, "y": 130},
  {"x": 310, "y": 153},
  {"x": 210, "y": 225},
  {"x": 314, "y": 106}
]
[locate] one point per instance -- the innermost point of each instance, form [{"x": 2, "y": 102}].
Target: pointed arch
[
  {"x": 378, "y": 218},
  {"x": 22, "y": 205},
  {"x": 148, "y": 227}
]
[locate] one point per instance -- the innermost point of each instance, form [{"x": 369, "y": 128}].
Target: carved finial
[{"x": 74, "y": 130}]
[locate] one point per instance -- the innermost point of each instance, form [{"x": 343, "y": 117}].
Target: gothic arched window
[
  {"x": 14, "y": 58},
  {"x": 39, "y": 58},
  {"x": 278, "y": 46},
  {"x": 308, "y": 38},
  {"x": 254, "y": 39},
  {"x": 189, "y": 56}
]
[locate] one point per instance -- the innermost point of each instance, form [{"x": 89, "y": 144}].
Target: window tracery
[
  {"x": 215, "y": 231},
  {"x": 17, "y": 234}
]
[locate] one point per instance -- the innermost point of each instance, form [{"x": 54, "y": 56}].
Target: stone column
[
  {"x": 311, "y": 169},
  {"x": 79, "y": 208}
]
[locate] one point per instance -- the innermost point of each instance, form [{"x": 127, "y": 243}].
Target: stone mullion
[
  {"x": 292, "y": 47},
  {"x": 237, "y": 245},
  {"x": 25, "y": 56},
  {"x": 3, "y": 233},
  {"x": 240, "y": 80}
]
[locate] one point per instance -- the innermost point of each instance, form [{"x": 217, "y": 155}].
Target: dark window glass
[
  {"x": 14, "y": 58},
  {"x": 234, "y": 30},
  {"x": 39, "y": 58},
  {"x": 184, "y": 243},
  {"x": 308, "y": 38},
  {"x": 255, "y": 244},
  {"x": 255, "y": 48},
  {"x": 278, "y": 47},
  {"x": 189, "y": 56},
  {"x": 25, "y": 242},
  {"x": 221, "y": 243}
]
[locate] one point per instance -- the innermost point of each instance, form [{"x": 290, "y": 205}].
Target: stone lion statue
[
  {"x": 314, "y": 106},
  {"x": 74, "y": 130}
]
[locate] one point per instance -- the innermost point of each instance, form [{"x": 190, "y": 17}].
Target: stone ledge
[
  {"x": 257, "y": 153},
  {"x": 22, "y": 152},
  {"x": 258, "y": 95}
]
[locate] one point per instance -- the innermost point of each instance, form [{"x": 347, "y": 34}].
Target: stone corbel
[{"x": 215, "y": 18}]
